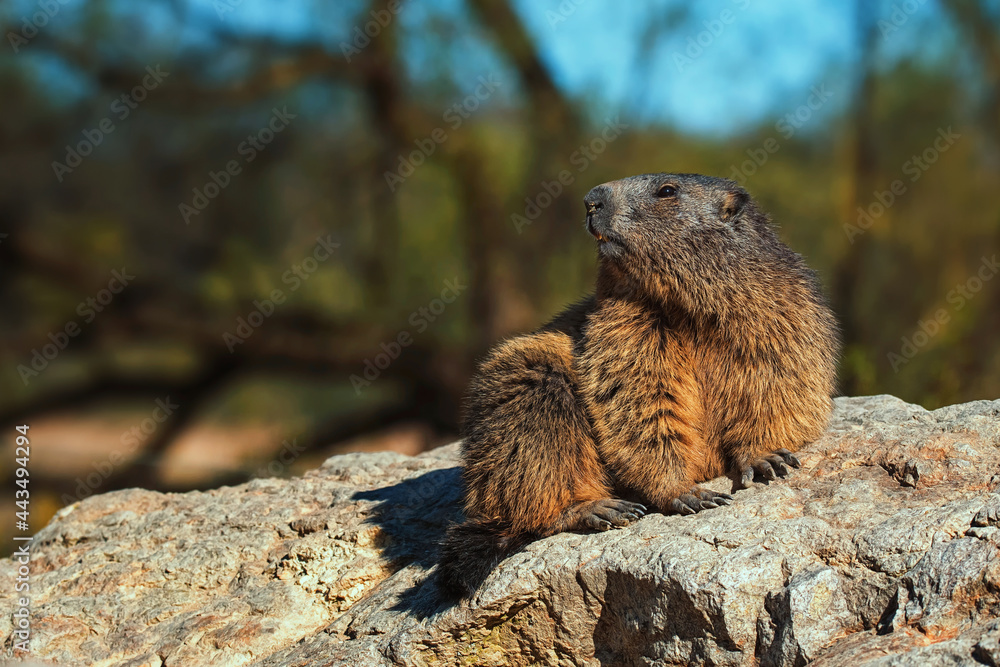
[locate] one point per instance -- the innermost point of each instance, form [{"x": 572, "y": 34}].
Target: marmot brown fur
[{"x": 707, "y": 349}]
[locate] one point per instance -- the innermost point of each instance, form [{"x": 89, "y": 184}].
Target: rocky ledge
[{"x": 881, "y": 550}]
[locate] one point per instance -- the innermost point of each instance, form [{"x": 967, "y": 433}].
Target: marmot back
[{"x": 707, "y": 349}]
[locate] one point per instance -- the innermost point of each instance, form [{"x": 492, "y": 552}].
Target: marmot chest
[{"x": 638, "y": 376}]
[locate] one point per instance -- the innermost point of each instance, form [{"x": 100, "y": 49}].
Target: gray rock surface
[{"x": 881, "y": 550}]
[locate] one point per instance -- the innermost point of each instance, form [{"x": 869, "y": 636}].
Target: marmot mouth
[{"x": 593, "y": 232}]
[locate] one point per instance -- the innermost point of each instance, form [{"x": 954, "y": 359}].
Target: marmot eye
[{"x": 666, "y": 191}]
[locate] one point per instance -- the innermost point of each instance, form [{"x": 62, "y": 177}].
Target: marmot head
[
  {"x": 655, "y": 212},
  {"x": 672, "y": 227}
]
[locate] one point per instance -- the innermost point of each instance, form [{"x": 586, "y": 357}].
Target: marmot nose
[{"x": 597, "y": 199}]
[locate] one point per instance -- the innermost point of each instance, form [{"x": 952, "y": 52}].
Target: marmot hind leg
[
  {"x": 532, "y": 467},
  {"x": 531, "y": 462}
]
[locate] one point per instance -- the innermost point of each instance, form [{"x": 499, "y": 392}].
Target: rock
[{"x": 881, "y": 550}]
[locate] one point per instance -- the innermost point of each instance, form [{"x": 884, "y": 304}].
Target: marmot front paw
[
  {"x": 604, "y": 514},
  {"x": 769, "y": 467},
  {"x": 698, "y": 499}
]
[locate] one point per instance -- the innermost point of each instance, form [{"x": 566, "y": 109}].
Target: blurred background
[{"x": 238, "y": 236}]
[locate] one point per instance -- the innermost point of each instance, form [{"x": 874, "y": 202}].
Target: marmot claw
[
  {"x": 769, "y": 467},
  {"x": 612, "y": 513},
  {"x": 699, "y": 499}
]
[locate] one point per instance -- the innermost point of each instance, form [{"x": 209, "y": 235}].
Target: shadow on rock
[{"x": 414, "y": 516}]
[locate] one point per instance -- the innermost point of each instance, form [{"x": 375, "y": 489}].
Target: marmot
[{"x": 707, "y": 349}]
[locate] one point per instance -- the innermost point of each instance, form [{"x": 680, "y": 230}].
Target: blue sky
[{"x": 738, "y": 70}]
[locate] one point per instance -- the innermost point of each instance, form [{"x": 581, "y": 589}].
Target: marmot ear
[{"x": 733, "y": 204}]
